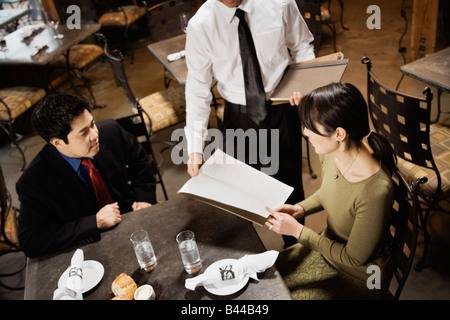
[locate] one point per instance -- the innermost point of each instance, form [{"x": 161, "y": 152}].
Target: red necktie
[{"x": 101, "y": 192}]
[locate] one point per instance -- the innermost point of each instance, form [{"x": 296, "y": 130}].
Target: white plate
[
  {"x": 92, "y": 274},
  {"x": 226, "y": 287}
]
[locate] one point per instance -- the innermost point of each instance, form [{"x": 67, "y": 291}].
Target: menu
[
  {"x": 236, "y": 187},
  {"x": 309, "y": 75}
]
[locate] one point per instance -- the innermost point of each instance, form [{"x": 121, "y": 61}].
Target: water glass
[
  {"x": 189, "y": 251},
  {"x": 143, "y": 250},
  {"x": 184, "y": 19}
]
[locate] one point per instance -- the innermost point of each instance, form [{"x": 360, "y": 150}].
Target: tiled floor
[{"x": 145, "y": 77}]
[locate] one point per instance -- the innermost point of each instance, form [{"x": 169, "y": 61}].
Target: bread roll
[
  {"x": 119, "y": 298},
  {"x": 124, "y": 286}
]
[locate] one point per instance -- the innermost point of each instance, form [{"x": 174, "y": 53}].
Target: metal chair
[
  {"x": 405, "y": 121},
  {"x": 9, "y": 241},
  {"x": 164, "y": 23},
  {"x": 315, "y": 16},
  {"x": 161, "y": 109},
  {"x": 135, "y": 125},
  {"x": 14, "y": 102},
  {"x": 119, "y": 14},
  {"x": 404, "y": 227}
]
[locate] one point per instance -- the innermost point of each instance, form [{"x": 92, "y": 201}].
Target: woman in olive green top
[{"x": 351, "y": 257}]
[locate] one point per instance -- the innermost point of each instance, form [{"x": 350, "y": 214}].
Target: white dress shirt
[{"x": 212, "y": 50}]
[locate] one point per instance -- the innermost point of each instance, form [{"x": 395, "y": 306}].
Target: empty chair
[
  {"x": 135, "y": 125},
  {"x": 14, "y": 102},
  {"x": 405, "y": 121},
  {"x": 161, "y": 109},
  {"x": 164, "y": 23},
  {"x": 9, "y": 240},
  {"x": 119, "y": 14}
]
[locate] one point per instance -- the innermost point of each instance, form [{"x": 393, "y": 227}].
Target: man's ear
[{"x": 57, "y": 143}]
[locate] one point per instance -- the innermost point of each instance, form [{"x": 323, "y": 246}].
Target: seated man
[{"x": 62, "y": 204}]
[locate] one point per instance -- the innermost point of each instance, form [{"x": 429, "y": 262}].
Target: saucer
[
  {"x": 92, "y": 274},
  {"x": 226, "y": 287}
]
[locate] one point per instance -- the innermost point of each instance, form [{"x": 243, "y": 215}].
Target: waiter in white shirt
[{"x": 213, "y": 50}]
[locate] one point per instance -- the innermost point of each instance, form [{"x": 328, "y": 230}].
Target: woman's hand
[
  {"x": 284, "y": 223},
  {"x": 295, "y": 99},
  {"x": 294, "y": 210}
]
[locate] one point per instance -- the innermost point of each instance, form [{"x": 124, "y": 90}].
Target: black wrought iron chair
[
  {"x": 404, "y": 228},
  {"x": 9, "y": 241},
  {"x": 80, "y": 57},
  {"x": 316, "y": 16},
  {"x": 164, "y": 23},
  {"x": 405, "y": 121},
  {"x": 119, "y": 15},
  {"x": 161, "y": 109},
  {"x": 15, "y": 101},
  {"x": 135, "y": 125}
]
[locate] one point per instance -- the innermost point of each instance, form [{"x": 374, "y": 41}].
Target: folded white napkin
[
  {"x": 176, "y": 56},
  {"x": 247, "y": 265},
  {"x": 72, "y": 288},
  {"x": 40, "y": 44}
]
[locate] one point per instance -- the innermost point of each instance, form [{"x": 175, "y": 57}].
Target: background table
[
  {"x": 19, "y": 49},
  {"x": 162, "y": 49},
  {"x": 433, "y": 69},
  {"x": 219, "y": 234}
]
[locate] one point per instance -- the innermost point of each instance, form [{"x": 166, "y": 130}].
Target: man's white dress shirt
[{"x": 212, "y": 50}]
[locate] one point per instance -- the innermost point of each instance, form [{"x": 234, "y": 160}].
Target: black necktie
[{"x": 254, "y": 90}]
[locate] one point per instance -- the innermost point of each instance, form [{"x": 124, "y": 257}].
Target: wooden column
[{"x": 423, "y": 28}]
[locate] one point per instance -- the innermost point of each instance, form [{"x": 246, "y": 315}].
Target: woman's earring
[{"x": 337, "y": 142}]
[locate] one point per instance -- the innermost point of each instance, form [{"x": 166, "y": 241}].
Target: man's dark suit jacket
[{"x": 57, "y": 209}]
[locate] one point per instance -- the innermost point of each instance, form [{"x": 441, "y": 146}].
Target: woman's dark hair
[
  {"x": 54, "y": 114},
  {"x": 342, "y": 105}
]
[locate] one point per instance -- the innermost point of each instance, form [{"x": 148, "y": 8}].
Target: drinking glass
[
  {"x": 189, "y": 251},
  {"x": 143, "y": 250},
  {"x": 184, "y": 19},
  {"x": 55, "y": 25}
]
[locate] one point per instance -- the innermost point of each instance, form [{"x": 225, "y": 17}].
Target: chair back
[
  {"x": 310, "y": 11},
  {"x": 103, "y": 6},
  {"x": 404, "y": 120},
  {"x": 115, "y": 59},
  {"x": 164, "y": 18},
  {"x": 8, "y": 223},
  {"x": 404, "y": 227},
  {"x": 135, "y": 125},
  {"x": 87, "y": 7}
]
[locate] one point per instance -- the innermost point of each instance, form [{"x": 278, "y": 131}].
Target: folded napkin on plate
[
  {"x": 72, "y": 288},
  {"x": 38, "y": 47},
  {"x": 176, "y": 56},
  {"x": 247, "y": 265}
]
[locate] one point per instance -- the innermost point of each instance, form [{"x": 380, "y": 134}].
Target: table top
[
  {"x": 19, "y": 49},
  {"x": 219, "y": 234},
  {"x": 433, "y": 69},
  {"x": 162, "y": 49},
  {"x": 9, "y": 15}
]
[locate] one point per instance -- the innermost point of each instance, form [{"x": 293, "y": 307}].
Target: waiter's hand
[
  {"x": 108, "y": 216},
  {"x": 294, "y": 100},
  {"x": 194, "y": 163}
]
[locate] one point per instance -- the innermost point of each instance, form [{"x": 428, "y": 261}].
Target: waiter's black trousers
[{"x": 285, "y": 118}]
